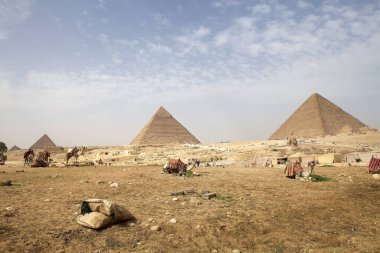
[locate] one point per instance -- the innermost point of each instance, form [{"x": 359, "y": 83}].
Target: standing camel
[{"x": 75, "y": 152}]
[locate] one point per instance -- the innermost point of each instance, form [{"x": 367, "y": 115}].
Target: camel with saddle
[
  {"x": 42, "y": 159},
  {"x": 74, "y": 153},
  {"x": 293, "y": 170},
  {"x": 176, "y": 166}
]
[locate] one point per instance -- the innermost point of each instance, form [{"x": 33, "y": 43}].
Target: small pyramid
[
  {"x": 163, "y": 128},
  {"x": 316, "y": 117},
  {"x": 14, "y": 148},
  {"x": 43, "y": 142}
]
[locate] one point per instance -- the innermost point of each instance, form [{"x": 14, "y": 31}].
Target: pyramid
[
  {"x": 14, "y": 148},
  {"x": 163, "y": 128},
  {"x": 43, "y": 142},
  {"x": 316, "y": 117}
]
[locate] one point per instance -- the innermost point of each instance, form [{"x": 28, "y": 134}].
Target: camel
[
  {"x": 175, "y": 166},
  {"x": 75, "y": 152},
  {"x": 42, "y": 160},
  {"x": 293, "y": 169},
  {"x": 28, "y": 157}
]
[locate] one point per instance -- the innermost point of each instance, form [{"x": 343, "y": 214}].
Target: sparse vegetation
[
  {"x": 327, "y": 166},
  {"x": 227, "y": 198},
  {"x": 318, "y": 178},
  {"x": 3, "y": 147}
]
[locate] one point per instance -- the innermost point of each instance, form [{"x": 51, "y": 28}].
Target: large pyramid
[
  {"x": 43, "y": 142},
  {"x": 163, "y": 128},
  {"x": 317, "y": 116}
]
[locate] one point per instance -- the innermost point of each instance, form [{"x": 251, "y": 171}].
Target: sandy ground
[{"x": 256, "y": 210}]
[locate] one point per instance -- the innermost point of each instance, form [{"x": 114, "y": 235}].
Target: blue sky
[{"x": 94, "y": 72}]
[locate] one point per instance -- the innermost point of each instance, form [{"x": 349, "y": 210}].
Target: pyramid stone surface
[
  {"x": 43, "y": 142},
  {"x": 163, "y": 128},
  {"x": 14, "y": 148},
  {"x": 316, "y": 117}
]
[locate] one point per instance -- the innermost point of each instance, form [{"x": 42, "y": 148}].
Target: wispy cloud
[{"x": 11, "y": 13}]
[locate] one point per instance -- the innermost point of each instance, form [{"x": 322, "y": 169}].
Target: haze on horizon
[{"x": 94, "y": 72}]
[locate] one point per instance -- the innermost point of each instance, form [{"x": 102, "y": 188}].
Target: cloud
[
  {"x": 261, "y": 8},
  {"x": 193, "y": 41},
  {"x": 161, "y": 20},
  {"x": 304, "y": 4},
  {"x": 12, "y": 13},
  {"x": 225, "y": 3},
  {"x": 103, "y": 38}
]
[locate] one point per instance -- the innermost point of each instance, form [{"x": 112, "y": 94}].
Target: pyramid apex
[
  {"x": 162, "y": 112},
  {"x": 43, "y": 142}
]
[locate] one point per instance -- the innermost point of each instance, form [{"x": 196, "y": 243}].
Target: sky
[{"x": 90, "y": 72}]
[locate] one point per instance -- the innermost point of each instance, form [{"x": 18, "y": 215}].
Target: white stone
[
  {"x": 9, "y": 208},
  {"x": 173, "y": 221},
  {"x": 175, "y": 199},
  {"x": 376, "y": 176},
  {"x": 235, "y": 251},
  {"x": 155, "y": 228},
  {"x": 114, "y": 185}
]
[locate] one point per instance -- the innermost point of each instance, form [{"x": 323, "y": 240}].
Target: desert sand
[{"x": 256, "y": 209}]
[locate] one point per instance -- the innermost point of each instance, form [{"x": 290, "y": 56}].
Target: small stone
[
  {"x": 235, "y": 251},
  {"x": 195, "y": 201},
  {"x": 9, "y": 208},
  {"x": 183, "y": 203},
  {"x": 155, "y": 228},
  {"x": 190, "y": 191},
  {"x": 150, "y": 219},
  {"x": 175, "y": 199},
  {"x": 167, "y": 213},
  {"x": 173, "y": 221},
  {"x": 47, "y": 200},
  {"x": 209, "y": 195},
  {"x": 114, "y": 185},
  {"x": 214, "y": 251},
  {"x": 177, "y": 193},
  {"x": 132, "y": 224},
  {"x": 376, "y": 176}
]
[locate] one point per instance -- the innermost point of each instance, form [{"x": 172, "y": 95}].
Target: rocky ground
[{"x": 255, "y": 210}]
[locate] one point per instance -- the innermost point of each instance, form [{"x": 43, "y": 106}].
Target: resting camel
[
  {"x": 75, "y": 152},
  {"x": 176, "y": 166},
  {"x": 28, "y": 157},
  {"x": 293, "y": 169},
  {"x": 42, "y": 160}
]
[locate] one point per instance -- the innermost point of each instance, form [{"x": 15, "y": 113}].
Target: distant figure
[
  {"x": 311, "y": 166},
  {"x": 28, "y": 157}
]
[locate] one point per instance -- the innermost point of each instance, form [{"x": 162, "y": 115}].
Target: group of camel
[{"x": 43, "y": 158}]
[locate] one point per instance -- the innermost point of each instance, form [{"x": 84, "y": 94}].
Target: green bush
[{"x": 318, "y": 178}]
